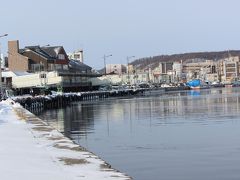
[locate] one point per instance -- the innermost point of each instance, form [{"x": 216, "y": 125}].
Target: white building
[
  {"x": 177, "y": 68},
  {"x": 230, "y": 69},
  {"x": 2, "y": 61},
  {"x": 115, "y": 69},
  {"x": 76, "y": 55}
]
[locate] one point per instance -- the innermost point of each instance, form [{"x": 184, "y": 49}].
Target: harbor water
[{"x": 174, "y": 136}]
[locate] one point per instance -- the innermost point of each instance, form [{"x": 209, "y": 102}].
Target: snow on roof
[
  {"x": 52, "y": 51},
  {"x": 38, "y": 50},
  {"x": 21, "y": 73},
  {"x": 49, "y": 52},
  {"x": 14, "y": 73},
  {"x": 8, "y": 74}
]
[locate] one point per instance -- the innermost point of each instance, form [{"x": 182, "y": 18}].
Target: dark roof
[
  {"x": 52, "y": 51},
  {"x": 49, "y": 53},
  {"x": 77, "y": 65}
]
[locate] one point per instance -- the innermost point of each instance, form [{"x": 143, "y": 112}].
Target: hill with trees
[{"x": 154, "y": 61}]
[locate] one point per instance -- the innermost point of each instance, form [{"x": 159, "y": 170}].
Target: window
[
  {"x": 76, "y": 56},
  {"x": 37, "y": 67},
  {"x": 43, "y": 76},
  {"x": 61, "y": 56},
  {"x": 65, "y": 67}
]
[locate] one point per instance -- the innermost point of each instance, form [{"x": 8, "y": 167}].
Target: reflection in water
[
  {"x": 74, "y": 119},
  {"x": 78, "y": 119},
  {"x": 179, "y": 135},
  {"x": 194, "y": 92}
]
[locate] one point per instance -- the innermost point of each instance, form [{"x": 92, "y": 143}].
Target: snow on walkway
[{"x": 30, "y": 149}]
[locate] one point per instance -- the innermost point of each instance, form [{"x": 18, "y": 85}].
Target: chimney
[{"x": 13, "y": 47}]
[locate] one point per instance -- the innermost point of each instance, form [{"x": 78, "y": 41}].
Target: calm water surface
[{"x": 193, "y": 135}]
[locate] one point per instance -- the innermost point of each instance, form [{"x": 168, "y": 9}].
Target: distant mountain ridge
[{"x": 154, "y": 61}]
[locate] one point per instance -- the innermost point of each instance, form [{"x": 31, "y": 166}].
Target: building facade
[
  {"x": 76, "y": 55},
  {"x": 36, "y": 58},
  {"x": 116, "y": 69},
  {"x": 47, "y": 67},
  {"x": 229, "y": 69}
]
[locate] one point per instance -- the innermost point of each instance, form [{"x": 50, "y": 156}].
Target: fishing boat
[
  {"x": 194, "y": 84},
  {"x": 197, "y": 84}
]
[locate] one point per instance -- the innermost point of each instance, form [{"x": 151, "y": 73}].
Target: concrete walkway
[{"x": 30, "y": 149}]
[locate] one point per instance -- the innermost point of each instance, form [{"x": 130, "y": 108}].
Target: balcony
[{"x": 77, "y": 73}]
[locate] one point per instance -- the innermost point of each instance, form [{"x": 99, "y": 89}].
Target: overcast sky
[{"x": 139, "y": 28}]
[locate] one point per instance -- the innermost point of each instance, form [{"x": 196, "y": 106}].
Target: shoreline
[{"x": 60, "y": 151}]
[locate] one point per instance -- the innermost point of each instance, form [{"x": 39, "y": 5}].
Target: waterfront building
[
  {"x": 206, "y": 70},
  {"x": 7, "y": 79},
  {"x": 47, "y": 67},
  {"x": 177, "y": 70},
  {"x": 164, "y": 67},
  {"x": 122, "y": 79},
  {"x": 230, "y": 69},
  {"x": 163, "y": 73},
  {"x": 36, "y": 58},
  {"x": 156, "y": 75},
  {"x": 116, "y": 69},
  {"x": 136, "y": 78}
]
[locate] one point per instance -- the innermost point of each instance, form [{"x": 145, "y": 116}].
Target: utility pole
[{"x": 104, "y": 59}]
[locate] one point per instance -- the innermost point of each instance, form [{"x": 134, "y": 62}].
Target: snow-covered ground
[{"x": 32, "y": 150}]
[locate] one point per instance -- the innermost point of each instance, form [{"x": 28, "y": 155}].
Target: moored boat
[{"x": 194, "y": 84}]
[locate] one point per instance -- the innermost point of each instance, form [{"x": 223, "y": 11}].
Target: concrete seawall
[{"x": 51, "y": 151}]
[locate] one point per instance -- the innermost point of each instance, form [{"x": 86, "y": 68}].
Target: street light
[
  {"x": 104, "y": 58},
  {"x": 128, "y": 58},
  {"x": 1, "y": 86}
]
